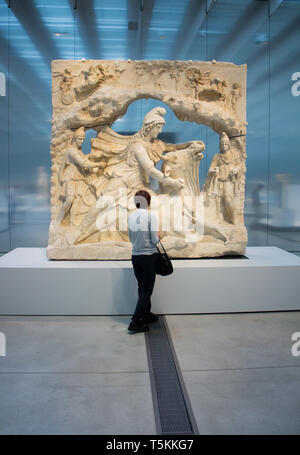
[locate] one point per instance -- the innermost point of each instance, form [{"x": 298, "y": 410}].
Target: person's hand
[
  {"x": 93, "y": 165},
  {"x": 233, "y": 173},
  {"x": 167, "y": 171}
]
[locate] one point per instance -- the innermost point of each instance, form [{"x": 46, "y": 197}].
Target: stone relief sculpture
[{"x": 92, "y": 194}]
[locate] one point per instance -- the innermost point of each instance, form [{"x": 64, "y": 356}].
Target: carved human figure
[
  {"x": 92, "y": 79},
  {"x": 219, "y": 83},
  {"x": 67, "y": 93},
  {"x": 73, "y": 176},
  {"x": 198, "y": 80},
  {"x": 130, "y": 171},
  {"x": 165, "y": 74},
  {"x": 223, "y": 184},
  {"x": 235, "y": 95}
]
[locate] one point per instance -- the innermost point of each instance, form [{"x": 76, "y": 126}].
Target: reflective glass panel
[
  {"x": 237, "y": 31},
  {"x": 284, "y": 185},
  {"x": 4, "y": 157},
  {"x": 40, "y": 31}
]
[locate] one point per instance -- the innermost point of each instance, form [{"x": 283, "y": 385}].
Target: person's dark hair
[{"x": 142, "y": 199}]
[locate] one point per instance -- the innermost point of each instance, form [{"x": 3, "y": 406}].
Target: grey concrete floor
[
  {"x": 86, "y": 375},
  {"x": 74, "y": 375},
  {"x": 239, "y": 371}
]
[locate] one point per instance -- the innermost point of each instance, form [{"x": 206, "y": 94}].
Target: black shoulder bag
[{"x": 164, "y": 265}]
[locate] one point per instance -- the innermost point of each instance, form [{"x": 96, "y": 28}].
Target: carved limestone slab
[{"x": 92, "y": 194}]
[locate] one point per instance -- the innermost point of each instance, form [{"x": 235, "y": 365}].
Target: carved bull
[{"x": 184, "y": 165}]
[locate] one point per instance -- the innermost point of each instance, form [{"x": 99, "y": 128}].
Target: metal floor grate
[{"x": 173, "y": 413}]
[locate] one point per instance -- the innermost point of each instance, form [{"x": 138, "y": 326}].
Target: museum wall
[{"x": 32, "y": 33}]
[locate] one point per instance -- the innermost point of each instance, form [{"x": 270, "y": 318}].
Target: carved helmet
[
  {"x": 155, "y": 115},
  {"x": 224, "y": 138}
]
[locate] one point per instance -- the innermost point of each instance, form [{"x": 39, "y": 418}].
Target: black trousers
[{"x": 144, "y": 267}]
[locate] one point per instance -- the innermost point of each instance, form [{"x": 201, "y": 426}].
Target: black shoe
[
  {"x": 150, "y": 318},
  {"x": 137, "y": 327}
]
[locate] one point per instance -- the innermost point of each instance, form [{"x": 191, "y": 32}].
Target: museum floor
[{"x": 86, "y": 375}]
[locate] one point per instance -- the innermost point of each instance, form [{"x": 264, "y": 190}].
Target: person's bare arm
[
  {"x": 172, "y": 147},
  {"x": 151, "y": 171},
  {"x": 214, "y": 167},
  {"x": 85, "y": 163}
]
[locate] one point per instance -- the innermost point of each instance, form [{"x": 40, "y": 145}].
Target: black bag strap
[
  {"x": 162, "y": 247},
  {"x": 149, "y": 227}
]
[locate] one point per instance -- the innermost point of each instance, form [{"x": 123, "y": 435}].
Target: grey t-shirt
[{"x": 142, "y": 230}]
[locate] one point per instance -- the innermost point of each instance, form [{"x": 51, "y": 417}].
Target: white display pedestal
[{"x": 31, "y": 284}]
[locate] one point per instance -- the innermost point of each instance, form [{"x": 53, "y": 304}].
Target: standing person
[{"x": 142, "y": 230}]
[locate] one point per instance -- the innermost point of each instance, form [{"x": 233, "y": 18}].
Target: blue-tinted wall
[{"x": 34, "y": 32}]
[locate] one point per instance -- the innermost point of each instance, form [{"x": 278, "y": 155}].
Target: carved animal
[{"x": 184, "y": 164}]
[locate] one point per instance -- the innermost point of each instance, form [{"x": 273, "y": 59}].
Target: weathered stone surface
[{"x": 92, "y": 195}]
